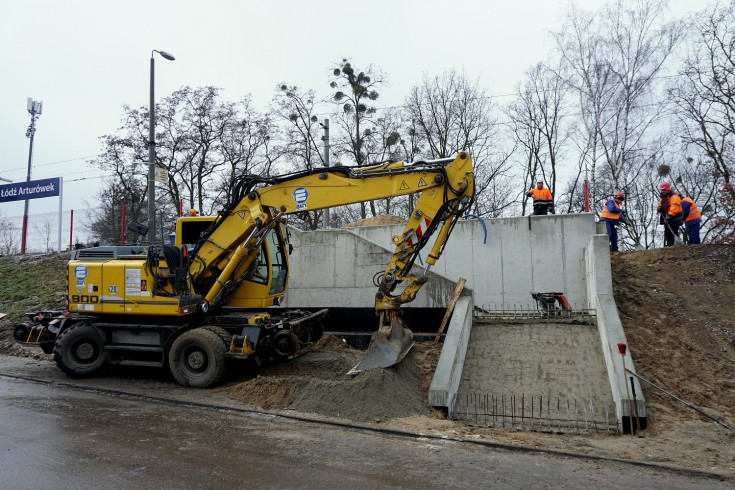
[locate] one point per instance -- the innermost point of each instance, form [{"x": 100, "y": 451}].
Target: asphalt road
[{"x": 63, "y": 436}]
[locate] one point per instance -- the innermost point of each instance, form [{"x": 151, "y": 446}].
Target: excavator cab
[{"x": 265, "y": 280}]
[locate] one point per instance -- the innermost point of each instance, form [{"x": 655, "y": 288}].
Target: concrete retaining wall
[
  {"x": 597, "y": 258},
  {"x": 335, "y": 268},
  {"x": 505, "y": 259},
  {"x": 448, "y": 375}
]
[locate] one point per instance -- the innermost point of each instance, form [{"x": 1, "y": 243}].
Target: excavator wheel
[
  {"x": 285, "y": 344},
  {"x": 197, "y": 358},
  {"x": 22, "y": 331},
  {"x": 80, "y": 351},
  {"x": 222, "y": 334}
]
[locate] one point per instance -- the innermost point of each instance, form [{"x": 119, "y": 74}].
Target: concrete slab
[
  {"x": 504, "y": 259},
  {"x": 557, "y": 362},
  {"x": 445, "y": 384}
]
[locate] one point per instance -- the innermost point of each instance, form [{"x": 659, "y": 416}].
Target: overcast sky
[{"x": 85, "y": 59}]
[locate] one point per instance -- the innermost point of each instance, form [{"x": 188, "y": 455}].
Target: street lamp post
[{"x": 152, "y": 153}]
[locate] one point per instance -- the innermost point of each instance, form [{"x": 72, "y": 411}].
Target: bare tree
[
  {"x": 536, "y": 119},
  {"x": 705, "y": 100},
  {"x": 124, "y": 157},
  {"x": 44, "y": 230},
  {"x": 612, "y": 60},
  {"x": 205, "y": 143},
  {"x": 301, "y": 143},
  {"x": 450, "y": 115},
  {"x": 355, "y": 91},
  {"x": 107, "y": 224},
  {"x": 247, "y": 148},
  {"x": 9, "y": 237},
  {"x": 202, "y": 141},
  {"x": 385, "y": 146}
]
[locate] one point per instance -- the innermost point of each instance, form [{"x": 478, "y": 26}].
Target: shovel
[
  {"x": 636, "y": 241},
  {"x": 677, "y": 240}
]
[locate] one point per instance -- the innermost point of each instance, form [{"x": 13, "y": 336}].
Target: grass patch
[{"x": 32, "y": 282}]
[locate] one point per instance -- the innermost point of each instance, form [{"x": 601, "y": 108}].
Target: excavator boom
[
  {"x": 446, "y": 192},
  {"x": 205, "y": 298}
]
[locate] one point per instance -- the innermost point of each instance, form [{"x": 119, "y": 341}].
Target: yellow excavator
[{"x": 205, "y": 298}]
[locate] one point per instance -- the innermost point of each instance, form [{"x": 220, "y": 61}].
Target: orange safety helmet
[
  {"x": 665, "y": 186},
  {"x": 619, "y": 196}
]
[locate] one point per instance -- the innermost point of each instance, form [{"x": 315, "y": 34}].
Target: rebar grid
[
  {"x": 580, "y": 311},
  {"x": 536, "y": 413}
]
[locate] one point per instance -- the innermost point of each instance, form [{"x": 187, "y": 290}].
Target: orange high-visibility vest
[
  {"x": 693, "y": 210},
  {"x": 607, "y": 213},
  {"x": 674, "y": 205},
  {"x": 541, "y": 196}
]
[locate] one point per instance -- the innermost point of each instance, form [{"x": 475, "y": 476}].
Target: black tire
[
  {"x": 80, "y": 351},
  {"x": 197, "y": 358},
  {"x": 285, "y": 344},
  {"x": 222, "y": 334},
  {"x": 22, "y": 331}
]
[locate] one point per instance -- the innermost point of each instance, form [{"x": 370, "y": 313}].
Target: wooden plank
[{"x": 450, "y": 307}]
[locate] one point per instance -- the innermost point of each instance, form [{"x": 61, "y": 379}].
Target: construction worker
[
  {"x": 669, "y": 207},
  {"x": 692, "y": 219},
  {"x": 543, "y": 203},
  {"x": 612, "y": 214}
]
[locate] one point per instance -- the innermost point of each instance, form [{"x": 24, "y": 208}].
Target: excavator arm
[{"x": 231, "y": 244}]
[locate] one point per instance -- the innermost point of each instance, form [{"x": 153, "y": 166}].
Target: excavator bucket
[{"x": 388, "y": 346}]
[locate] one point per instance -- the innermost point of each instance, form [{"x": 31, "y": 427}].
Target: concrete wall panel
[
  {"x": 336, "y": 268},
  {"x": 518, "y": 256}
]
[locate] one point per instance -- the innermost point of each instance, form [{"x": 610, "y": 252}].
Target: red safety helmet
[
  {"x": 619, "y": 196},
  {"x": 665, "y": 186}
]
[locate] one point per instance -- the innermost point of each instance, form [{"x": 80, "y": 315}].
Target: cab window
[
  {"x": 280, "y": 267},
  {"x": 258, "y": 270}
]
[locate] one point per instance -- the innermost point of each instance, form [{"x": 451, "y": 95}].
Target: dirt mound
[
  {"x": 677, "y": 310},
  {"x": 316, "y": 382},
  {"x": 383, "y": 219}
]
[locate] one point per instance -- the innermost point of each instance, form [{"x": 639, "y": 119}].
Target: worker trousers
[
  {"x": 612, "y": 232},
  {"x": 693, "y": 231},
  {"x": 671, "y": 231}
]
